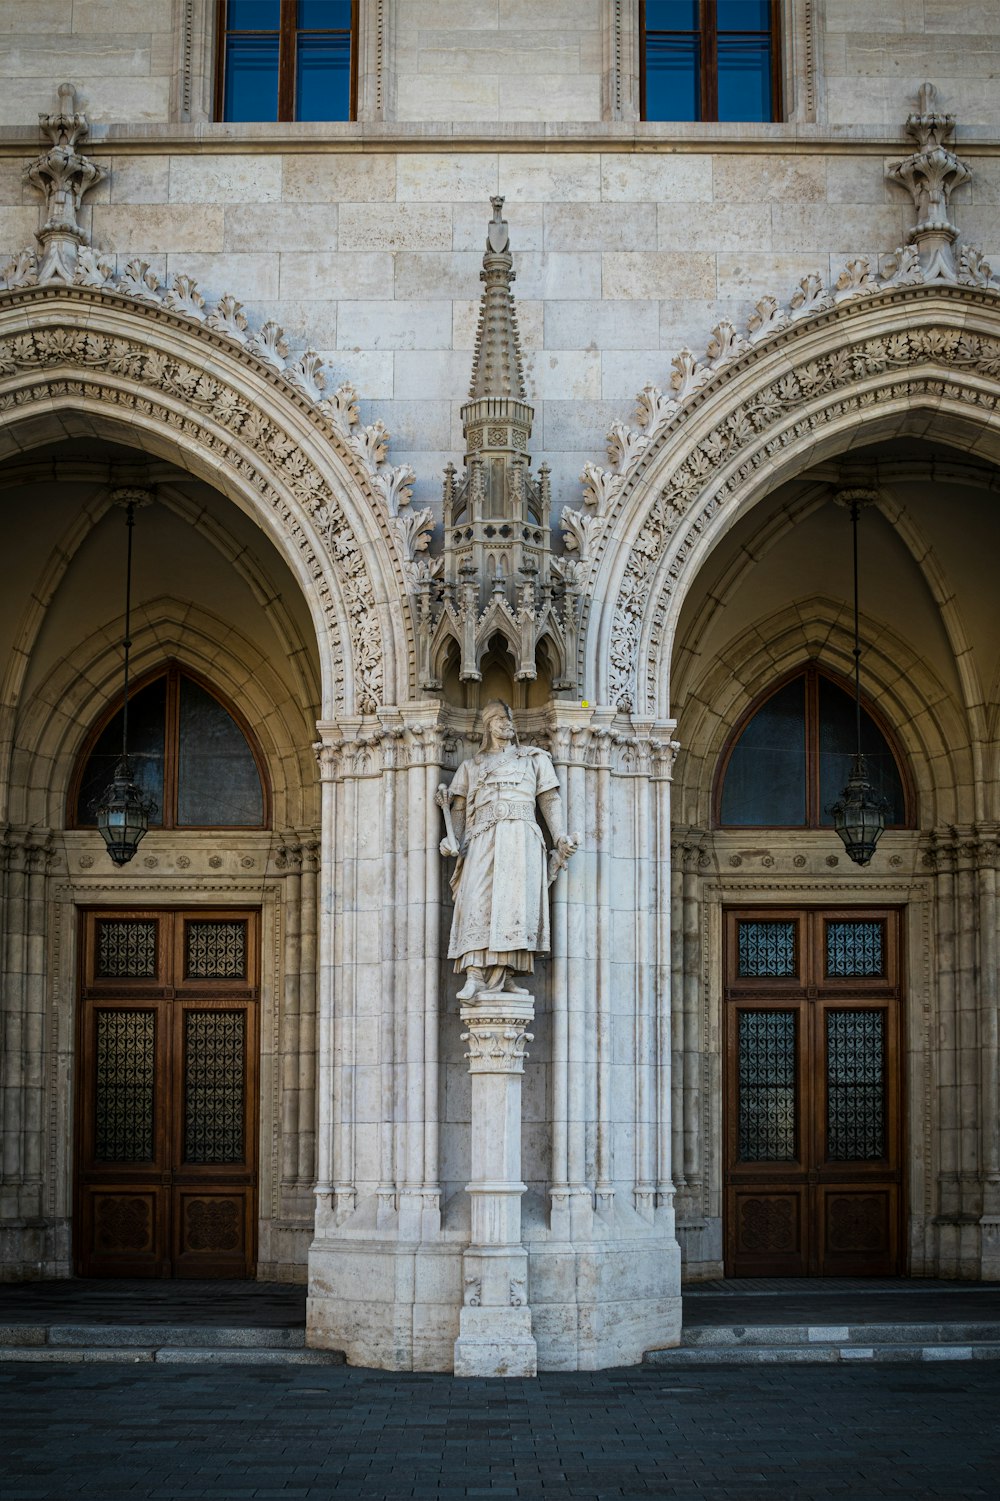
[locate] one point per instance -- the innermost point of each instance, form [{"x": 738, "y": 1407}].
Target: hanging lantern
[
  {"x": 860, "y": 812},
  {"x": 123, "y": 812}
]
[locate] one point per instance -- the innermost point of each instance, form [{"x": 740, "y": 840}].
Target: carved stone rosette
[{"x": 495, "y": 1337}]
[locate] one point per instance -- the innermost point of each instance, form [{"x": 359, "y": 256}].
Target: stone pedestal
[{"x": 495, "y": 1337}]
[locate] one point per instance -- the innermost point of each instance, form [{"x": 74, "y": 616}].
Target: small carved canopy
[{"x": 501, "y": 594}]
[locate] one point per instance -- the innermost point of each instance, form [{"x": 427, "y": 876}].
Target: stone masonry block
[
  {"x": 338, "y": 178},
  {"x": 225, "y": 179},
  {"x": 158, "y": 227},
  {"x": 399, "y": 226},
  {"x": 440, "y": 178},
  {"x": 656, "y": 179},
  {"x": 337, "y": 275},
  {"x": 649, "y": 274},
  {"x": 547, "y": 179},
  {"x": 282, "y": 226},
  {"x": 400, "y": 324}
]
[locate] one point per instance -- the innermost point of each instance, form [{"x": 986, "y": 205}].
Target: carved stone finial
[
  {"x": 930, "y": 176},
  {"x": 62, "y": 175}
]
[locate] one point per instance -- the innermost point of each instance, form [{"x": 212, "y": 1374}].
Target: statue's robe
[{"x": 500, "y": 886}]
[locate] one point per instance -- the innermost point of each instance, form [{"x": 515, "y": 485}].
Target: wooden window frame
[
  {"x": 812, "y": 673},
  {"x": 288, "y": 34},
  {"x": 173, "y": 672},
  {"x": 708, "y": 62}
]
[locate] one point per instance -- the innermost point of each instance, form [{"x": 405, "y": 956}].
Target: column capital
[{"x": 498, "y": 1032}]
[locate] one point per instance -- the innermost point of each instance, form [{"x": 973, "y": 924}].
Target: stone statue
[{"x": 501, "y": 880}]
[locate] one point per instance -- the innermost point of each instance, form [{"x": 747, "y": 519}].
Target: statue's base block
[{"x": 495, "y": 1342}]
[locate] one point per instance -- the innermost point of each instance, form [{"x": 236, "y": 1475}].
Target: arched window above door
[
  {"x": 190, "y": 752},
  {"x": 790, "y": 756}
]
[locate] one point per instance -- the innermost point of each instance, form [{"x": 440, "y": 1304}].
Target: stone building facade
[{"x": 271, "y": 331}]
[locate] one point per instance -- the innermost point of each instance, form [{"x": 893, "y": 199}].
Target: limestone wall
[{"x": 478, "y": 61}]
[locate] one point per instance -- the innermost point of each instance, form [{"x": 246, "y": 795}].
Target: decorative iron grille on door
[
  {"x": 167, "y": 1130},
  {"x": 813, "y": 1160}
]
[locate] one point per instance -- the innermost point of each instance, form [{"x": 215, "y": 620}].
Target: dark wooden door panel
[
  {"x": 858, "y": 1228},
  {"x": 769, "y": 1231},
  {"x": 166, "y": 1125},
  {"x": 812, "y": 1109}
]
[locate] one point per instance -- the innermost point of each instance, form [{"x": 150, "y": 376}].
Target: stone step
[
  {"x": 166, "y": 1355},
  {"x": 739, "y": 1335},
  {"x": 944, "y": 1346},
  {"x": 156, "y": 1336}
]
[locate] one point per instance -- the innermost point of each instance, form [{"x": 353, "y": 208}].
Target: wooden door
[
  {"x": 166, "y": 1108},
  {"x": 813, "y": 1093}
]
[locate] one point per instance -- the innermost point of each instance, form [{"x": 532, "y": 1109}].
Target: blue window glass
[
  {"x": 672, "y": 15},
  {"x": 324, "y": 15},
  {"x": 673, "y": 78},
  {"x": 286, "y": 60},
  {"x": 217, "y": 779},
  {"x": 793, "y": 757},
  {"x": 837, "y": 741},
  {"x": 708, "y": 60},
  {"x": 743, "y": 15},
  {"x": 744, "y": 78},
  {"x": 323, "y": 77},
  {"x": 766, "y": 776},
  {"x": 187, "y": 752},
  {"x": 251, "y": 78},
  {"x": 253, "y": 15},
  {"x": 147, "y": 718}
]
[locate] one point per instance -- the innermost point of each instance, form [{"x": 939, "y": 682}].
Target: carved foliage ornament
[
  {"x": 773, "y": 418},
  {"x": 206, "y": 398}
]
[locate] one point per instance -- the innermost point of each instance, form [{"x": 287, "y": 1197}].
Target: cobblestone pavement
[{"x": 726, "y": 1434}]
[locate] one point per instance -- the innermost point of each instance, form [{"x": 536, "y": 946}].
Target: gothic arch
[
  {"x": 82, "y": 359},
  {"x": 55, "y": 724},
  {"x": 931, "y": 728},
  {"x": 902, "y": 360}
]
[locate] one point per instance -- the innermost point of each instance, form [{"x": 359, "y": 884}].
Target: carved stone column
[{"x": 495, "y": 1337}]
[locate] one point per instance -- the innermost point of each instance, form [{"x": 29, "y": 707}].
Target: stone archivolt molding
[
  {"x": 128, "y": 373},
  {"x": 898, "y": 350}
]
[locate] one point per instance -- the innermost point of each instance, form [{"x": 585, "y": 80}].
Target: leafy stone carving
[
  {"x": 785, "y": 411},
  {"x": 198, "y": 397}
]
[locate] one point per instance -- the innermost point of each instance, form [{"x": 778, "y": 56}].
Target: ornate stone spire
[
  {"x": 931, "y": 175},
  {"x": 62, "y": 175},
  {"x": 497, "y": 574},
  {"x": 496, "y": 365}
]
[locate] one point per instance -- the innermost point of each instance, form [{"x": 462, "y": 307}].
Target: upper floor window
[
  {"x": 790, "y": 757},
  {"x": 709, "y": 59},
  {"x": 189, "y": 752},
  {"x": 286, "y": 60}
]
